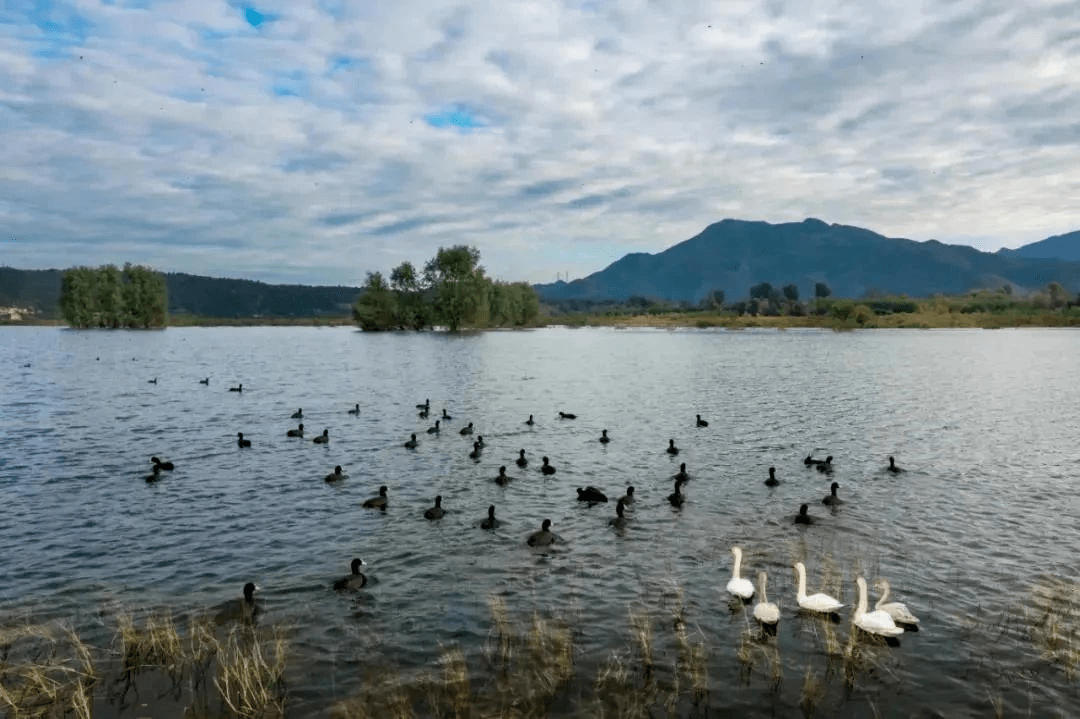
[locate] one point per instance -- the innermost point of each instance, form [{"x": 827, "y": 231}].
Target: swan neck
[
  {"x": 884, "y": 594},
  {"x": 738, "y": 560},
  {"x": 801, "y": 571},
  {"x": 861, "y": 608}
]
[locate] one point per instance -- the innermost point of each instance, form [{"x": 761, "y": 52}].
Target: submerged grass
[{"x": 45, "y": 671}]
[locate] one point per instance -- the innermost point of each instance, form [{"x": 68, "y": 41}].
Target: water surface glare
[{"x": 984, "y": 422}]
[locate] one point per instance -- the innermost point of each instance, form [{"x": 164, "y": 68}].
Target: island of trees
[
  {"x": 113, "y": 298},
  {"x": 452, "y": 291}
]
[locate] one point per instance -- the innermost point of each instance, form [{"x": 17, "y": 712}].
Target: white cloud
[{"x": 178, "y": 135}]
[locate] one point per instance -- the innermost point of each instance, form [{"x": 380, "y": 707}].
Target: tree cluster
[
  {"x": 452, "y": 291},
  {"x": 113, "y": 298}
]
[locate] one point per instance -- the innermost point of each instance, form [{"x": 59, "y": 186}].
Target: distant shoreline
[{"x": 673, "y": 320}]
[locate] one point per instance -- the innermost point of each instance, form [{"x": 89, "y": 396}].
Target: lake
[{"x": 978, "y": 536}]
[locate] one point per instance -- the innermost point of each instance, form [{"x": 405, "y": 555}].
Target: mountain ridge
[{"x": 734, "y": 255}]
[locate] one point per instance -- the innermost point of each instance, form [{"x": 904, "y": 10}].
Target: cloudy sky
[{"x": 313, "y": 141}]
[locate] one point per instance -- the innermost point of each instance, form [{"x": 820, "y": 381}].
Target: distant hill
[
  {"x": 1061, "y": 247},
  {"x": 192, "y": 294},
  {"x": 734, "y": 255}
]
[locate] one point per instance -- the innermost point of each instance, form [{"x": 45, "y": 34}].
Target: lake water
[{"x": 970, "y": 536}]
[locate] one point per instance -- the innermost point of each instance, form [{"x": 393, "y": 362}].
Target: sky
[{"x": 314, "y": 141}]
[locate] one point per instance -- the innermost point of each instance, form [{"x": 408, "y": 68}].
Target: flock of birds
[{"x": 888, "y": 619}]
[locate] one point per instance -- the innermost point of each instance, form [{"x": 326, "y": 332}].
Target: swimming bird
[
  {"x": 831, "y": 499},
  {"x": 741, "y": 588},
  {"x": 437, "y": 511},
  {"x": 356, "y": 409},
  {"x": 701, "y": 422},
  {"x": 681, "y": 474},
  {"x": 811, "y": 462},
  {"x": 542, "y": 538},
  {"x": 897, "y": 610},
  {"x": 353, "y": 581},
  {"x": 671, "y": 448},
  {"x": 619, "y": 521},
  {"x": 445, "y": 415},
  {"x": 435, "y": 429},
  {"x": 152, "y": 381},
  {"x": 466, "y": 429},
  {"x": 153, "y": 476},
  {"x": 819, "y": 602},
  {"x": 298, "y": 414},
  {"x": 628, "y": 498},
  {"x": 298, "y": 432},
  {"x": 802, "y": 517},
  {"x": 826, "y": 466},
  {"x": 604, "y": 438},
  {"x": 530, "y": 421},
  {"x": 335, "y": 475},
  {"x": 765, "y": 611},
  {"x": 677, "y": 497},
  {"x": 411, "y": 443},
  {"x": 521, "y": 461},
  {"x": 875, "y": 622},
  {"x": 480, "y": 439},
  {"x": 567, "y": 415},
  {"x": 502, "y": 480},
  {"x": 423, "y": 414},
  {"x": 238, "y": 388},
  {"x": 547, "y": 468},
  {"x": 772, "y": 481},
  {"x": 377, "y": 502},
  {"x": 241, "y": 441},
  {"x": 591, "y": 495},
  {"x": 243, "y": 610},
  {"x": 323, "y": 438},
  {"x": 477, "y": 450},
  {"x": 892, "y": 466},
  {"x": 158, "y": 464},
  {"x": 490, "y": 522},
  {"x": 205, "y": 381},
  {"x": 425, "y": 405}
]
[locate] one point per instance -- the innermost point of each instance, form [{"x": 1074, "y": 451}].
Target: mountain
[
  {"x": 191, "y": 294},
  {"x": 1061, "y": 247},
  {"x": 734, "y": 255}
]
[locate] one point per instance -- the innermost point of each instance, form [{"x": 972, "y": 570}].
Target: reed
[
  {"x": 154, "y": 643},
  {"x": 1054, "y": 622},
  {"x": 250, "y": 672},
  {"x": 45, "y": 671}
]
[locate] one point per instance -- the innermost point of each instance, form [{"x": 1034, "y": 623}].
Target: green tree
[
  {"x": 459, "y": 285},
  {"x": 107, "y": 297},
  {"x": 791, "y": 293},
  {"x": 1057, "y": 293},
  {"x": 145, "y": 297},
  {"x": 78, "y": 296},
  {"x": 413, "y": 310},
  {"x": 712, "y": 301},
  {"x": 762, "y": 291},
  {"x": 821, "y": 290},
  {"x": 374, "y": 309}
]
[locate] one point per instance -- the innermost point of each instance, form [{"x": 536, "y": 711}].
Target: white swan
[
  {"x": 897, "y": 610},
  {"x": 741, "y": 588},
  {"x": 875, "y": 622},
  {"x": 765, "y": 611},
  {"x": 815, "y": 602}
]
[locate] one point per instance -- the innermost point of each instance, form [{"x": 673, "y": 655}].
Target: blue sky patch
[{"x": 459, "y": 118}]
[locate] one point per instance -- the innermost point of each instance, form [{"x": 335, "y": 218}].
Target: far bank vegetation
[
  {"x": 768, "y": 306},
  {"x": 108, "y": 297},
  {"x": 452, "y": 291}
]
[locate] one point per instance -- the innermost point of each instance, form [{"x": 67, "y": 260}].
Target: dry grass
[
  {"x": 45, "y": 671},
  {"x": 250, "y": 672},
  {"x": 1054, "y": 621}
]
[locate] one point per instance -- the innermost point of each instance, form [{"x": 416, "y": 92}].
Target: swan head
[
  {"x": 491, "y": 512},
  {"x": 545, "y": 525},
  {"x": 356, "y": 564}
]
